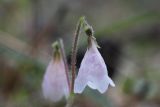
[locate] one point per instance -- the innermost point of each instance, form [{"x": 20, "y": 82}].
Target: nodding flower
[
  {"x": 54, "y": 85},
  {"x": 93, "y": 71}
]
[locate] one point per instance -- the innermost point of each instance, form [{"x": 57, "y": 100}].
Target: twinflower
[
  {"x": 93, "y": 71},
  {"x": 54, "y": 85}
]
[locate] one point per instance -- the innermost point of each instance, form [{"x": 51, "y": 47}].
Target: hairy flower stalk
[
  {"x": 74, "y": 52},
  {"x": 65, "y": 61},
  {"x": 93, "y": 71},
  {"x": 55, "y": 83}
]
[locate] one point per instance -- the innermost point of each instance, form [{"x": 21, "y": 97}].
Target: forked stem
[{"x": 89, "y": 31}]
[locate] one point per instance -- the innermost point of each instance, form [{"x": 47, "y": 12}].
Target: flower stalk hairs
[{"x": 92, "y": 72}]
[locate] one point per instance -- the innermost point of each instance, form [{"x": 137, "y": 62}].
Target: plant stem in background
[
  {"x": 65, "y": 61},
  {"x": 74, "y": 52}
]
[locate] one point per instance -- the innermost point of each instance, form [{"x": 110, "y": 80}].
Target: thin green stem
[{"x": 70, "y": 101}]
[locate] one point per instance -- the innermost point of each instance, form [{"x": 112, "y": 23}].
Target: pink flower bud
[
  {"x": 55, "y": 84},
  {"x": 93, "y": 71}
]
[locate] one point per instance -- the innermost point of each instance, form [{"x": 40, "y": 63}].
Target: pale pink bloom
[
  {"x": 55, "y": 84},
  {"x": 93, "y": 71}
]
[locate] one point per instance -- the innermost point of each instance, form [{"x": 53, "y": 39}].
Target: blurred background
[{"x": 128, "y": 32}]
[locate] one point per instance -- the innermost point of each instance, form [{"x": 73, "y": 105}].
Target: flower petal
[
  {"x": 111, "y": 82},
  {"x": 91, "y": 85},
  {"x": 54, "y": 84},
  {"x": 94, "y": 71},
  {"x": 80, "y": 84}
]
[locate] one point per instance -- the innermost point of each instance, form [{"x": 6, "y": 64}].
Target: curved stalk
[
  {"x": 74, "y": 52},
  {"x": 65, "y": 60}
]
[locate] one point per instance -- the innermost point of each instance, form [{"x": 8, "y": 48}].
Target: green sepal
[{"x": 56, "y": 50}]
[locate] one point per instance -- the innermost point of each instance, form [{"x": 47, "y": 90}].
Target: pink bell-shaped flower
[
  {"x": 55, "y": 84},
  {"x": 93, "y": 71}
]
